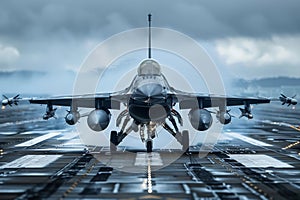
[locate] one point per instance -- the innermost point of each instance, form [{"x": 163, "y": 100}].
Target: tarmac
[{"x": 253, "y": 159}]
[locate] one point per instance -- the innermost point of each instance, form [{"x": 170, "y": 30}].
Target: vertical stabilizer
[{"x": 149, "y": 37}]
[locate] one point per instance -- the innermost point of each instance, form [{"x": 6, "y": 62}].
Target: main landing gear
[
  {"x": 148, "y": 131},
  {"x": 116, "y": 138},
  {"x": 185, "y": 141},
  {"x": 182, "y": 138},
  {"x": 113, "y": 141}
]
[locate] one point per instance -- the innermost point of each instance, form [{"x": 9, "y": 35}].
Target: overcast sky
[{"x": 246, "y": 39}]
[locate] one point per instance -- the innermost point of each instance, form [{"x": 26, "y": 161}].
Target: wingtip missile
[
  {"x": 288, "y": 100},
  {"x": 10, "y": 101}
]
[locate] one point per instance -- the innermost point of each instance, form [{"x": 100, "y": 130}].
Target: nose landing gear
[{"x": 149, "y": 146}]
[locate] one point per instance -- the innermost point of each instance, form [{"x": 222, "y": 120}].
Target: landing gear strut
[
  {"x": 185, "y": 141},
  {"x": 113, "y": 141},
  {"x": 117, "y": 137}
]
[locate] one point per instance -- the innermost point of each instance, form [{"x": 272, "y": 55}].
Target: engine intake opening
[
  {"x": 98, "y": 119},
  {"x": 200, "y": 119}
]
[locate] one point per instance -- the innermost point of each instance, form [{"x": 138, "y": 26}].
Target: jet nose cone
[{"x": 149, "y": 90}]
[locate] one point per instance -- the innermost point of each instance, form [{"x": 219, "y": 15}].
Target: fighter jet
[{"x": 149, "y": 103}]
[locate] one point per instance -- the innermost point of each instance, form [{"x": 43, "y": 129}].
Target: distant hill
[
  {"x": 268, "y": 82},
  {"x": 21, "y": 74}
]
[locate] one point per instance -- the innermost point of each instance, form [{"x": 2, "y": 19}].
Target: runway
[{"x": 253, "y": 159}]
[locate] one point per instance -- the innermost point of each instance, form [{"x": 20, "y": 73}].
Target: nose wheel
[{"x": 149, "y": 146}]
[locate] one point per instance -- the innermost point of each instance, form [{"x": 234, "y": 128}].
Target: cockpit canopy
[{"x": 149, "y": 67}]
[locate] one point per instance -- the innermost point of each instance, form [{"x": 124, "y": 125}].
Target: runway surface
[{"x": 257, "y": 159}]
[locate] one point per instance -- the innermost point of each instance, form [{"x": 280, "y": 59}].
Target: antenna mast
[{"x": 149, "y": 37}]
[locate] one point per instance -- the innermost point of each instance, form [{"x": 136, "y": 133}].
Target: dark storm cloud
[{"x": 205, "y": 19}]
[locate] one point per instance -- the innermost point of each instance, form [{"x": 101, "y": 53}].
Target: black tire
[
  {"x": 113, "y": 141},
  {"x": 185, "y": 141},
  {"x": 149, "y": 146}
]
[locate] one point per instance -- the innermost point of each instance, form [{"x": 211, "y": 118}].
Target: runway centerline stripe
[
  {"x": 38, "y": 140},
  {"x": 142, "y": 159}
]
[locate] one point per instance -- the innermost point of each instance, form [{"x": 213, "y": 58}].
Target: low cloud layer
[
  {"x": 8, "y": 56},
  {"x": 255, "y": 57},
  {"x": 260, "y": 52}
]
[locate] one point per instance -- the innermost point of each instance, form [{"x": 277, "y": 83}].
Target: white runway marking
[
  {"x": 74, "y": 142},
  {"x": 38, "y": 140},
  {"x": 62, "y": 149},
  {"x": 31, "y": 161},
  {"x": 7, "y": 133},
  {"x": 142, "y": 159},
  {"x": 259, "y": 160},
  {"x": 41, "y": 132},
  {"x": 223, "y": 137},
  {"x": 248, "y": 139},
  {"x": 68, "y": 136}
]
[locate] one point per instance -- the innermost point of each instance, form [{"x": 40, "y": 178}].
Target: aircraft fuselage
[
  {"x": 149, "y": 100},
  {"x": 149, "y": 103}
]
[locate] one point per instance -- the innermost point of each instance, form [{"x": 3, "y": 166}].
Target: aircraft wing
[
  {"x": 188, "y": 101},
  {"x": 107, "y": 100}
]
